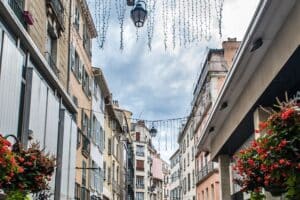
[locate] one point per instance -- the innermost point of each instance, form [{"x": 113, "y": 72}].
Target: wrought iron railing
[
  {"x": 140, "y": 186},
  {"x": 17, "y": 6},
  {"x": 58, "y": 9},
  {"x": 206, "y": 170},
  {"x": 52, "y": 63},
  {"x": 140, "y": 153}
]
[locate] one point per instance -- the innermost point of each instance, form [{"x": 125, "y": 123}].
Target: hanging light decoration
[
  {"x": 139, "y": 14},
  {"x": 153, "y": 131},
  {"x": 186, "y": 22}
]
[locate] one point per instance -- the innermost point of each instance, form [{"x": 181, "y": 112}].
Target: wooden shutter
[
  {"x": 140, "y": 165},
  {"x": 138, "y": 136}
]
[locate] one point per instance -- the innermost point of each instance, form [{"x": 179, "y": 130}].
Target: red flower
[
  {"x": 251, "y": 162},
  {"x": 283, "y": 143},
  {"x": 263, "y": 125},
  {"x": 21, "y": 170},
  {"x": 281, "y": 161},
  {"x": 287, "y": 113}
]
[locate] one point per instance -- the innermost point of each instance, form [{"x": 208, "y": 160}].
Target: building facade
[
  {"x": 82, "y": 30},
  {"x": 142, "y": 149},
  {"x": 210, "y": 82},
  {"x": 34, "y": 102},
  {"x": 174, "y": 180},
  {"x": 187, "y": 160}
]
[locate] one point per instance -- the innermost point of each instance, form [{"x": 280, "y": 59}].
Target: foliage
[{"x": 272, "y": 161}]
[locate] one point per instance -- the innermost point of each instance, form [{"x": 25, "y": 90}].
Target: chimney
[{"x": 230, "y": 47}]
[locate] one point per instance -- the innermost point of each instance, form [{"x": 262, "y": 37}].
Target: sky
[{"x": 159, "y": 84}]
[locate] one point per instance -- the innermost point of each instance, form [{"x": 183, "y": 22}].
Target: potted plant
[{"x": 272, "y": 161}]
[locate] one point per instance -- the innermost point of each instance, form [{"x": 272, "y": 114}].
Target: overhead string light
[
  {"x": 188, "y": 22},
  {"x": 120, "y": 10},
  {"x": 151, "y": 7},
  {"x": 102, "y": 12}
]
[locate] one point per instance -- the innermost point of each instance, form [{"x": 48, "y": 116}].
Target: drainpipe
[{"x": 69, "y": 46}]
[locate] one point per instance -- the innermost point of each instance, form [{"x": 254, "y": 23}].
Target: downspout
[{"x": 69, "y": 47}]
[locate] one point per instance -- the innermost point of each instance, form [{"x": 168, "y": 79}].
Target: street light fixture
[{"x": 139, "y": 14}]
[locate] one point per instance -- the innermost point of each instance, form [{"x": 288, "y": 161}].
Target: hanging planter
[
  {"x": 24, "y": 171},
  {"x": 272, "y": 161}
]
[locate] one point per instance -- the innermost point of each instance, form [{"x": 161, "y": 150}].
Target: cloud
[{"x": 159, "y": 84}]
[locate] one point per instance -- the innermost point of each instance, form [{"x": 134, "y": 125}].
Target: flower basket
[
  {"x": 24, "y": 171},
  {"x": 272, "y": 161}
]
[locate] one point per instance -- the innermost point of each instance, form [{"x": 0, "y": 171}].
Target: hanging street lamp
[
  {"x": 153, "y": 131},
  {"x": 139, "y": 14}
]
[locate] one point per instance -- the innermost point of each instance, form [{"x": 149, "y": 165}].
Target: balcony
[
  {"x": 58, "y": 11},
  {"x": 206, "y": 171},
  {"x": 52, "y": 63},
  {"x": 140, "y": 186},
  {"x": 17, "y": 6},
  {"x": 140, "y": 153}
]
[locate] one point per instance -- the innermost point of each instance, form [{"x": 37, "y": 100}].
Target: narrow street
[{"x": 149, "y": 100}]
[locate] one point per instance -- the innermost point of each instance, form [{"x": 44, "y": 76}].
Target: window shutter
[
  {"x": 79, "y": 73},
  {"x": 138, "y": 136},
  {"x": 72, "y": 57}
]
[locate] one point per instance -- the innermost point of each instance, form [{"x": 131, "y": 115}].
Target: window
[
  {"x": 184, "y": 166},
  {"x": 140, "y": 165},
  {"x": 188, "y": 159},
  {"x": 140, "y": 182},
  {"x": 85, "y": 146},
  {"x": 77, "y": 191},
  {"x": 193, "y": 178},
  {"x": 193, "y": 153},
  {"x": 77, "y": 18},
  {"x": 140, "y": 196},
  {"x": 189, "y": 182},
  {"x": 84, "y": 123},
  {"x": 109, "y": 175},
  {"x": 138, "y": 136},
  {"x": 109, "y": 147},
  {"x": 86, "y": 83},
  {"x": 207, "y": 195},
  {"x": 83, "y": 173},
  {"x": 104, "y": 170},
  {"x": 113, "y": 171},
  {"x": 212, "y": 192},
  {"x": 140, "y": 150},
  {"x": 51, "y": 49},
  {"x": 77, "y": 65},
  {"x": 78, "y": 138},
  {"x": 187, "y": 140}
]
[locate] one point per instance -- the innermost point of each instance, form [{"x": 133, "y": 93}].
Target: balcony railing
[
  {"x": 52, "y": 63},
  {"x": 17, "y": 6},
  {"x": 58, "y": 9},
  {"x": 140, "y": 186},
  {"x": 206, "y": 171},
  {"x": 140, "y": 153}
]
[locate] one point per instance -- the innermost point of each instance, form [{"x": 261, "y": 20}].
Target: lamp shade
[{"x": 139, "y": 14}]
